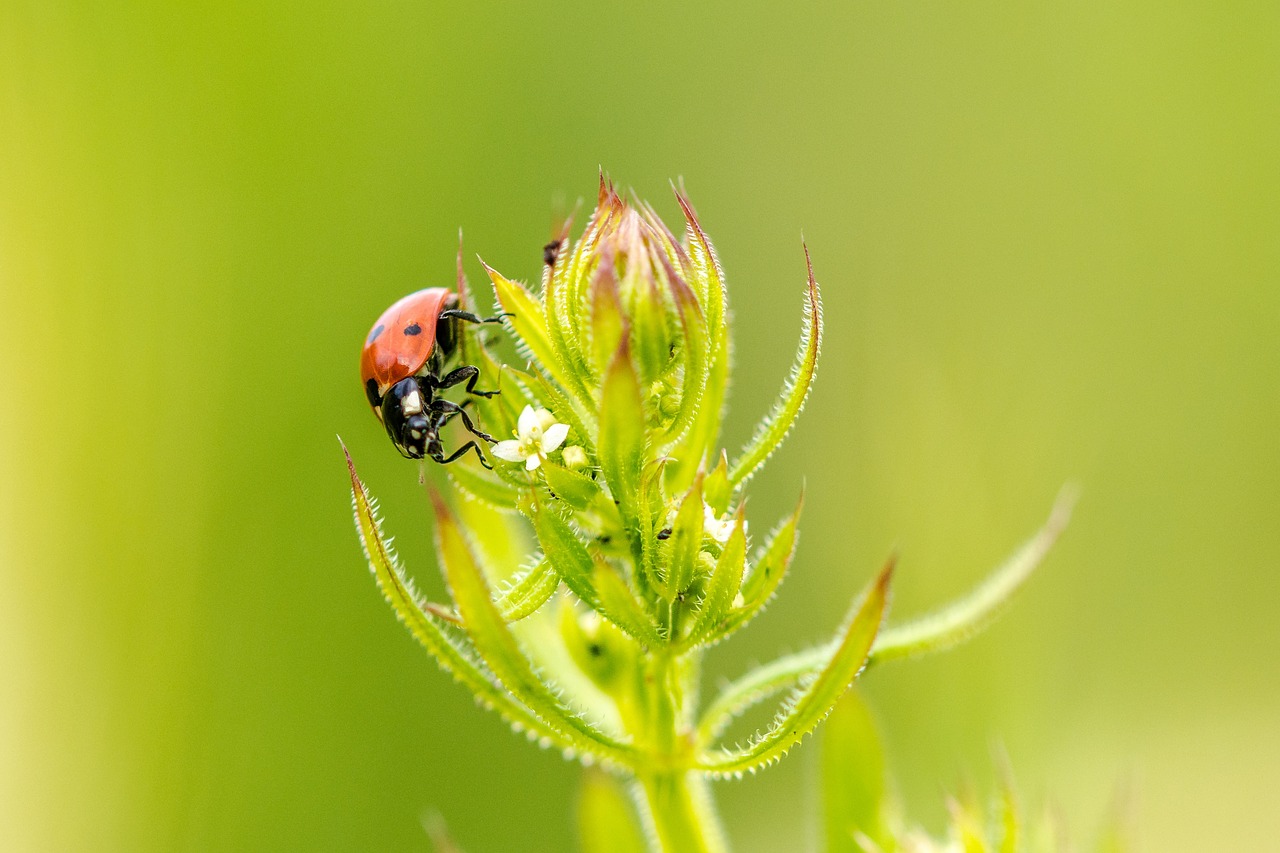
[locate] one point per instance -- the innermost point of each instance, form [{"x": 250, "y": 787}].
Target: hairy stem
[
  {"x": 681, "y": 813},
  {"x": 675, "y": 801}
]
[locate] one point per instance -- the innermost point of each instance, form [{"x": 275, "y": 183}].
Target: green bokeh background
[{"x": 1049, "y": 241}]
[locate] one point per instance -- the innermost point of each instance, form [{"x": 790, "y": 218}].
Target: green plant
[{"x": 615, "y": 471}]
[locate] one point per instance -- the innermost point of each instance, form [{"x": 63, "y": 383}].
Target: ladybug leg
[
  {"x": 467, "y": 373},
  {"x": 472, "y": 318},
  {"x": 446, "y": 409},
  {"x": 436, "y": 452}
]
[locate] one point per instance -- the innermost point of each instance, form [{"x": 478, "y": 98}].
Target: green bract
[{"x": 591, "y": 639}]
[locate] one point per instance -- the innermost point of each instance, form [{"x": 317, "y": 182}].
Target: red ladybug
[{"x": 402, "y": 368}]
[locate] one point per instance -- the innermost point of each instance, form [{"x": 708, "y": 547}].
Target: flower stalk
[{"x": 633, "y": 550}]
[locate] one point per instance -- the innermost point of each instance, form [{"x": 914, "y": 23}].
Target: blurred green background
[{"x": 1049, "y": 240}]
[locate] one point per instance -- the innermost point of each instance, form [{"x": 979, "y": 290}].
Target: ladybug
[{"x": 402, "y": 368}]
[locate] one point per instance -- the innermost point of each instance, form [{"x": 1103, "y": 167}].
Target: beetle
[{"x": 402, "y": 368}]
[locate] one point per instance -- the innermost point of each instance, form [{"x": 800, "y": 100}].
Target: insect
[
  {"x": 551, "y": 252},
  {"x": 402, "y": 368}
]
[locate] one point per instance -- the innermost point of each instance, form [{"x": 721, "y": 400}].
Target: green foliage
[{"x": 614, "y": 463}]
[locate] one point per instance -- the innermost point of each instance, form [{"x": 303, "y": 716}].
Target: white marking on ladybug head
[{"x": 411, "y": 403}]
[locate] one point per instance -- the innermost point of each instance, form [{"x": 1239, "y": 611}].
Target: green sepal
[
  {"x": 557, "y": 312},
  {"x": 721, "y": 588},
  {"x": 854, "y": 804},
  {"x": 500, "y": 649},
  {"x": 774, "y": 428},
  {"x": 653, "y": 507},
  {"x": 651, "y": 339},
  {"x": 530, "y": 327},
  {"x": 451, "y": 654},
  {"x": 717, "y": 491},
  {"x": 708, "y": 282},
  {"x": 696, "y": 351},
  {"x": 606, "y": 818},
  {"x": 576, "y": 489},
  {"x": 810, "y": 704},
  {"x": 608, "y": 320},
  {"x": 680, "y": 554},
  {"x": 621, "y": 445}
]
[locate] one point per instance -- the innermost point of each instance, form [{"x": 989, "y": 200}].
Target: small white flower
[
  {"x": 537, "y": 434},
  {"x": 719, "y": 528}
]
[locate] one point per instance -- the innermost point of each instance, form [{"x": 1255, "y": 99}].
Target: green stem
[
  {"x": 681, "y": 813},
  {"x": 677, "y": 801}
]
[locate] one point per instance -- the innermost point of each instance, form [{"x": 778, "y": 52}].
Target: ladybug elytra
[{"x": 402, "y": 368}]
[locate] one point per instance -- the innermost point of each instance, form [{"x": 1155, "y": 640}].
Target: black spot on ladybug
[
  {"x": 371, "y": 390},
  {"x": 412, "y": 329},
  {"x": 664, "y": 534},
  {"x": 373, "y": 336}
]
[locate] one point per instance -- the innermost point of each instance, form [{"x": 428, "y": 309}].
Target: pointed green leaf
[
  {"x": 618, "y": 604},
  {"x": 608, "y": 320},
  {"x": 853, "y": 780},
  {"x": 721, "y": 587},
  {"x": 577, "y": 490},
  {"x": 528, "y": 592},
  {"x": 774, "y": 428},
  {"x": 606, "y": 819},
  {"x": 566, "y": 553},
  {"x": 561, "y": 332},
  {"x": 717, "y": 491},
  {"x": 498, "y": 646},
  {"x": 680, "y": 554},
  {"x": 811, "y": 703},
  {"x": 707, "y": 281},
  {"x": 651, "y": 341},
  {"x": 697, "y": 354},
  {"x": 451, "y": 656},
  {"x": 963, "y": 619},
  {"x": 484, "y": 486},
  {"x": 767, "y": 572},
  {"x": 772, "y": 678},
  {"x": 621, "y": 446},
  {"x": 530, "y": 327},
  {"x": 756, "y": 686}
]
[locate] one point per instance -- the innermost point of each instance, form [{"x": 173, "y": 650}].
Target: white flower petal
[
  {"x": 554, "y": 436},
  {"x": 533, "y": 461},
  {"x": 528, "y": 420},
  {"x": 508, "y": 450},
  {"x": 545, "y": 419}
]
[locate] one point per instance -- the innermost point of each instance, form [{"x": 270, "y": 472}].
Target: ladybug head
[{"x": 408, "y": 419}]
